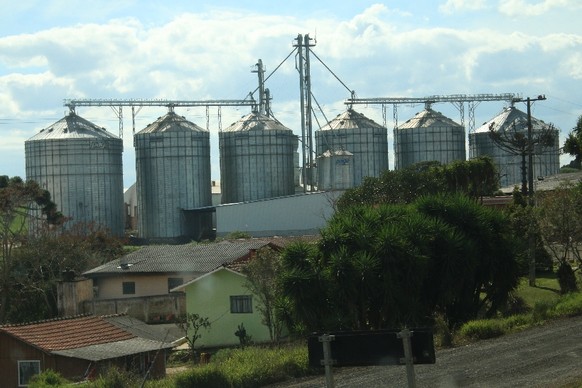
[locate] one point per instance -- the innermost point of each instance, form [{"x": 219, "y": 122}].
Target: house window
[
  {"x": 27, "y": 369},
  {"x": 174, "y": 282},
  {"x": 128, "y": 288},
  {"x": 241, "y": 304}
]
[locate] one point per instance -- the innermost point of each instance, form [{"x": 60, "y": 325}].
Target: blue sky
[{"x": 199, "y": 50}]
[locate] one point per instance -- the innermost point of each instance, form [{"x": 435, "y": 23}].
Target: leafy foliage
[
  {"x": 261, "y": 272},
  {"x": 476, "y": 178},
  {"x": 394, "y": 265},
  {"x": 191, "y": 324},
  {"x": 573, "y": 144}
]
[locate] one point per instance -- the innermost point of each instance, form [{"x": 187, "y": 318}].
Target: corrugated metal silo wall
[
  {"x": 173, "y": 173},
  {"x": 256, "y": 164},
  {"x": 443, "y": 144},
  {"x": 84, "y": 177},
  {"x": 335, "y": 172},
  {"x": 546, "y": 161},
  {"x": 369, "y": 147}
]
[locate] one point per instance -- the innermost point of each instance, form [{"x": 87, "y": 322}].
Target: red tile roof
[{"x": 68, "y": 333}]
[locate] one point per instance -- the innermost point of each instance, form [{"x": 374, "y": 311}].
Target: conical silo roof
[
  {"x": 513, "y": 118},
  {"x": 255, "y": 122},
  {"x": 171, "y": 122},
  {"x": 428, "y": 118},
  {"x": 350, "y": 119},
  {"x": 73, "y": 126}
]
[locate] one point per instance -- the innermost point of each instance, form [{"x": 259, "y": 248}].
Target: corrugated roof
[
  {"x": 171, "y": 122},
  {"x": 428, "y": 118},
  {"x": 68, "y": 333},
  {"x": 350, "y": 119},
  {"x": 113, "y": 349},
  {"x": 73, "y": 126},
  {"x": 511, "y": 117},
  {"x": 193, "y": 258},
  {"x": 255, "y": 122}
]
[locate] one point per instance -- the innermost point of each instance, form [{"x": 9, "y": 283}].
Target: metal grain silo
[
  {"x": 546, "y": 160},
  {"x": 80, "y": 164},
  {"x": 173, "y": 178},
  {"x": 428, "y": 136},
  {"x": 256, "y": 159},
  {"x": 335, "y": 170},
  {"x": 365, "y": 139}
]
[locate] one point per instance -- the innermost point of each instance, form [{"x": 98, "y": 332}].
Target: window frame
[
  {"x": 175, "y": 281},
  {"x": 36, "y": 366},
  {"x": 241, "y": 304},
  {"x": 128, "y": 284}
]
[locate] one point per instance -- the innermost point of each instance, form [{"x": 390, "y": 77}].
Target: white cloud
[
  {"x": 453, "y": 6},
  {"x": 535, "y": 8}
]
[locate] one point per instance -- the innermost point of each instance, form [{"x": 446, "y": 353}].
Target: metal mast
[
  {"x": 458, "y": 100},
  {"x": 303, "y": 66},
  {"x": 118, "y": 104}
]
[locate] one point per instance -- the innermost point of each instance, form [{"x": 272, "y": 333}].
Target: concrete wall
[
  {"x": 71, "y": 296},
  {"x": 300, "y": 214},
  {"x": 150, "y": 309},
  {"x": 111, "y": 287}
]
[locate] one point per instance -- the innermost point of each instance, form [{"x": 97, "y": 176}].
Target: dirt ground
[{"x": 548, "y": 356}]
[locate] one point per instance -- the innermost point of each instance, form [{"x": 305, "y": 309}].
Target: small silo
[
  {"x": 335, "y": 170},
  {"x": 173, "y": 178},
  {"x": 256, "y": 159},
  {"x": 546, "y": 160},
  {"x": 428, "y": 136},
  {"x": 80, "y": 164},
  {"x": 366, "y": 140}
]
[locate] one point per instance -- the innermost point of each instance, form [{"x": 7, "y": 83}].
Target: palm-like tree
[{"x": 573, "y": 143}]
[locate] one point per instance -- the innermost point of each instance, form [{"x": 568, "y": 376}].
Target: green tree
[
  {"x": 261, "y": 272},
  {"x": 19, "y": 202},
  {"x": 560, "y": 220},
  {"x": 476, "y": 178},
  {"x": 192, "y": 324},
  {"x": 41, "y": 262},
  {"x": 573, "y": 144},
  {"x": 392, "y": 265}
]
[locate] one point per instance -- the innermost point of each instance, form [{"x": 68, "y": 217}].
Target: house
[
  {"x": 139, "y": 283},
  {"x": 80, "y": 348},
  {"x": 222, "y": 297}
]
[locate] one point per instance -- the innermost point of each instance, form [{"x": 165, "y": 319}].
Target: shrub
[
  {"x": 568, "y": 306},
  {"x": 206, "y": 376},
  {"x": 482, "y": 329},
  {"x": 47, "y": 378},
  {"x": 115, "y": 378}
]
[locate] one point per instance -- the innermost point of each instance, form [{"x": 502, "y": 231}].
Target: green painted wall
[{"x": 210, "y": 297}]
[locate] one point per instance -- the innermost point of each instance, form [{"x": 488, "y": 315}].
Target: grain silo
[
  {"x": 256, "y": 159},
  {"x": 366, "y": 140},
  {"x": 173, "y": 179},
  {"x": 546, "y": 159},
  {"x": 335, "y": 170},
  {"x": 428, "y": 136},
  {"x": 80, "y": 164}
]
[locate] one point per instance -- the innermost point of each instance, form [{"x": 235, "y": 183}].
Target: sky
[{"x": 207, "y": 50}]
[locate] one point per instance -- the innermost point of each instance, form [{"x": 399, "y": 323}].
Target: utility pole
[{"x": 530, "y": 177}]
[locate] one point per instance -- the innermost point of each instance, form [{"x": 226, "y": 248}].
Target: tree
[
  {"x": 573, "y": 144},
  {"x": 41, "y": 262},
  {"x": 386, "y": 266},
  {"x": 475, "y": 178},
  {"x": 19, "y": 202},
  {"x": 191, "y": 324},
  {"x": 560, "y": 220},
  {"x": 261, "y": 272}
]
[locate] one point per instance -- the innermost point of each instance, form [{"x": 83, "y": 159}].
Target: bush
[
  {"x": 116, "y": 378},
  {"x": 47, "y": 378},
  {"x": 206, "y": 376},
  {"x": 482, "y": 329},
  {"x": 566, "y": 278}
]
